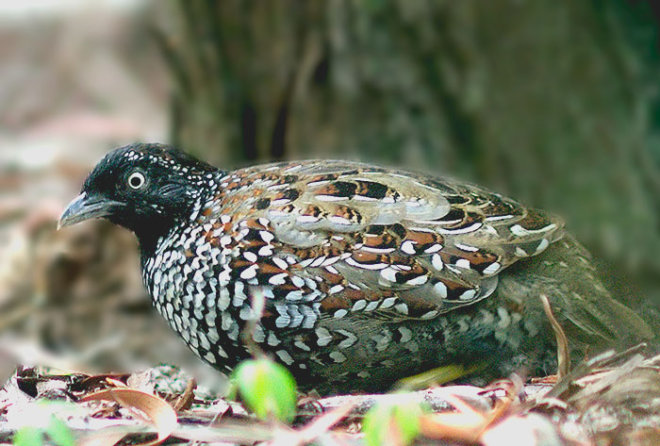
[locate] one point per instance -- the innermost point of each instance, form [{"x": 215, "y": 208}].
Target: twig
[
  {"x": 184, "y": 401},
  {"x": 563, "y": 355},
  {"x": 315, "y": 428},
  {"x": 435, "y": 399}
]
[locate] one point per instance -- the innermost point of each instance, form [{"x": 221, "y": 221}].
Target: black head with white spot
[{"x": 146, "y": 188}]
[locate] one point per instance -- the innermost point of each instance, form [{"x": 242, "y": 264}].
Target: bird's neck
[
  {"x": 149, "y": 235},
  {"x": 153, "y": 230}
]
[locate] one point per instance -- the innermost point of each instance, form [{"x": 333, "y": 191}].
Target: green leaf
[
  {"x": 387, "y": 419},
  {"x": 28, "y": 436},
  {"x": 267, "y": 388},
  {"x": 60, "y": 433}
]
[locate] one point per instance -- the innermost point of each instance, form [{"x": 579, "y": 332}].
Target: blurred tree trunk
[{"x": 550, "y": 102}]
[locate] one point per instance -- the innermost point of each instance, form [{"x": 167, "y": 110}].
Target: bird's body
[{"x": 362, "y": 275}]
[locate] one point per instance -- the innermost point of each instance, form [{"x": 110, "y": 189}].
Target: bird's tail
[{"x": 582, "y": 305}]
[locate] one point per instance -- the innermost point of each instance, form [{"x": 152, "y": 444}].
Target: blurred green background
[{"x": 555, "y": 103}]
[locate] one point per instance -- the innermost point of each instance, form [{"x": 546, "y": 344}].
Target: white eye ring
[{"x": 136, "y": 180}]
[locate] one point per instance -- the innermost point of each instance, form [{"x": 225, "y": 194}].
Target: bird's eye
[{"x": 136, "y": 180}]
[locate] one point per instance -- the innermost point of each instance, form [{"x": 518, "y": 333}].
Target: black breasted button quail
[{"x": 367, "y": 274}]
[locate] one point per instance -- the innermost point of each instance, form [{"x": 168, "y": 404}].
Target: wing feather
[{"x": 357, "y": 238}]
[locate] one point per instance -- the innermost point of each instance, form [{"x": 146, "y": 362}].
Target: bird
[{"x": 351, "y": 275}]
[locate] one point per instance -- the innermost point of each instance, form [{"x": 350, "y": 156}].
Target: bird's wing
[{"x": 357, "y": 238}]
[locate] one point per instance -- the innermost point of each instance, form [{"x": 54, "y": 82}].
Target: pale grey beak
[{"x": 84, "y": 207}]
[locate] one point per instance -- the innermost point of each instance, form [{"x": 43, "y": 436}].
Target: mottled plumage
[{"x": 367, "y": 274}]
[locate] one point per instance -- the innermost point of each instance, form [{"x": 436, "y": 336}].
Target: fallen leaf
[{"x": 160, "y": 414}]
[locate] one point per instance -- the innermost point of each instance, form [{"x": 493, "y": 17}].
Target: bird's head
[{"x": 146, "y": 188}]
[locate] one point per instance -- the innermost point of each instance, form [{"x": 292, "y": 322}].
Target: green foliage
[
  {"x": 267, "y": 388},
  {"x": 387, "y": 419},
  {"x": 58, "y": 433},
  {"x": 28, "y": 436}
]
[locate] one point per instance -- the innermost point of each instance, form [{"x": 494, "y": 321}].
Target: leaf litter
[{"x": 610, "y": 399}]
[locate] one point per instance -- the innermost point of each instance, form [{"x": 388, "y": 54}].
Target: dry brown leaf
[
  {"x": 160, "y": 414},
  {"x": 466, "y": 424},
  {"x": 116, "y": 383}
]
